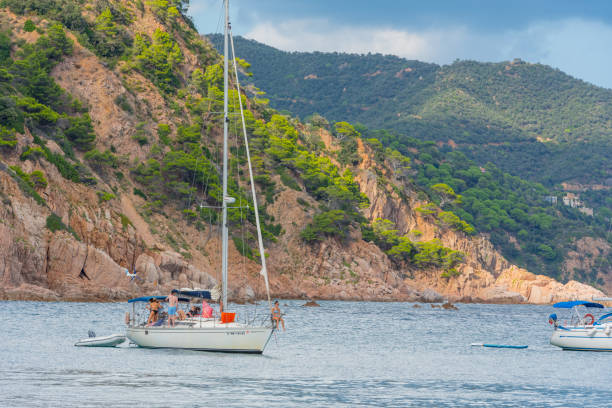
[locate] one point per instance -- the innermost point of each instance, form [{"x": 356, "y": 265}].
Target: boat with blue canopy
[
  {"x": 211, "y": 333},
  {"x": 574, "y": 303},
  {"x": 581, "y": 330}
]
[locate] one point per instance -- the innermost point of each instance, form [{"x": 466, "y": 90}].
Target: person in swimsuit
[
  {"x": 207, "y": 311},
  {"x": 193, "y": 311},
  {"x": 153, "y": 306},
  {"x": 277, "y": 315},
  {"x": 172, "y": 305}
]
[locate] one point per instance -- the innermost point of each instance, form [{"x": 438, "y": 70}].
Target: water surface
[{"x": 341, "y": 354}]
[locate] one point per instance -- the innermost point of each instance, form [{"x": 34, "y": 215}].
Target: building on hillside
[
  {"x": 551, "y": 200},
  {"x": 572, "y": 200},
  {"x": 586, "y": 210}
]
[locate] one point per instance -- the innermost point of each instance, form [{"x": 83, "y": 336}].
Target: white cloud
[{"x": 582, "y": 48}]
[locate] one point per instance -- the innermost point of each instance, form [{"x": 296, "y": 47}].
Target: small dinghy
[{"x": 102, "y": 341}]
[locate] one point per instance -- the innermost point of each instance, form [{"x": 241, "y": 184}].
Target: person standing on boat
[
  {"x": 154, "y": 308},
  {"x": 172, "y": 305},
  {"x": 277, "y": 315}
]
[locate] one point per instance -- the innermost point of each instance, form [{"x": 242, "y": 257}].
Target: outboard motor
[{"x": 552, "y": 319}]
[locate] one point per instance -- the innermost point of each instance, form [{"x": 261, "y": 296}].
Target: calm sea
[{"x": 341, "y": 354}]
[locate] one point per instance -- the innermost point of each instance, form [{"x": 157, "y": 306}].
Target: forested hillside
[
  {"x": 110, "y": 142},
  {"x": 528, "y": 119},
  {"x": 491, "y": 123}
]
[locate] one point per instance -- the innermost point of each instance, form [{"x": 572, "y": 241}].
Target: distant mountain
[
  {"x": 110, "y": 135},
  {"x": 528, "y": 119}
]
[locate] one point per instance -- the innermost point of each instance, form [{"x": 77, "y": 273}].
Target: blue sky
[{"x": 574, "y": 36}]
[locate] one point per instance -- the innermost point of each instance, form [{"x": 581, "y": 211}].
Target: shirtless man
[
  {"x": 172, "y": 305},
  {"x": 277, "y": 316}
]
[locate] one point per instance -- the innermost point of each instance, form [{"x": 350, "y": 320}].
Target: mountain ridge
[
  {"x": 536, "y": 113},
  {"x": 112, "y": 116}
]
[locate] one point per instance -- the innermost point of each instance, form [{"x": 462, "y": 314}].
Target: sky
[{"x": 574, "y": 36}]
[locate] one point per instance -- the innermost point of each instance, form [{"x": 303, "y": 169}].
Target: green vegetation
[
  {"x": 139, "y": 193},
  {"x": 104, "y": 196},
  {"x": 81, "y": 132},
  {"x": 287, "y": 179},
  {"x": 421, "y": 254},
  {"x": 29, "y": 26},
  {"x": 29, "y": 182},
  {"x": 8, "y": 139},
  {"x": 123, "y": 103},
  {"x": 55, "y": 223},
  {"x": 70, "y": 171},
  {"x": 32, "y": 152},
  {"x": 332, "y": 223},
  {"x": 125, "y": 221},
  {"x": 106, "y": 36},
  {"x": 243, "y": 248},
  {"x": 33, "y": 97},
  {"x": 158, "y": 58},
  {"x": 100, "y": 161},
  {"x": 163, "y": 132},
  {"x": 527, "y": 230}
]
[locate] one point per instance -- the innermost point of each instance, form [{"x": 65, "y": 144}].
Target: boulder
[{"x": 431, "y": 296}]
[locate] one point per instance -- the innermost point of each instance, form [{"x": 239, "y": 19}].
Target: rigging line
[
  {"x": 243, "y": 219},
  {"x": 221, "y": 15},
  {"x": 262, "y": 254}
]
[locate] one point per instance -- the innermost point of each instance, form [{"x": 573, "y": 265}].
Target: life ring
[{"x": 592, "y": 319}]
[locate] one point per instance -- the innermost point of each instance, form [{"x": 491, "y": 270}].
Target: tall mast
[{"x": 224, "y": 230}]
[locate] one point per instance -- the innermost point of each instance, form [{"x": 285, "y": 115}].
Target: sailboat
[{"x": 211, "y": 334}]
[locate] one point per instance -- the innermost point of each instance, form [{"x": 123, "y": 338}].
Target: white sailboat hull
[
  {"x": 222, "y": 338},
  {"x": 589, "y": 338}
]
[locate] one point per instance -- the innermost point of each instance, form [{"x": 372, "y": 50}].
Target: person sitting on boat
[
  {"x": 277, "y": 315},
  {"x": 153, "y": 306},
  {"x": 193, "y": 312},
  {"x": 172, "y": 306},
  {"x": 207, "y": 310}
]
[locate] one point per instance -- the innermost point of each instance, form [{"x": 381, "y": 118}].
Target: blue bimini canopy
[
  {"x": 574, "y": 303},
  {"x": 202, "y": 294},
  {"x": 604, "y": 317},
  {"x": 147, "y": 298}
]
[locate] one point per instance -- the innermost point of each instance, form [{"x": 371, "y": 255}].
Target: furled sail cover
[
  {"x": 215, "y": 293},
  {"x": 203, "y": 294}
]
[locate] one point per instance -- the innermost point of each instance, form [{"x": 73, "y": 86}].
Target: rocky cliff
[{"x": 69, "y": 240}]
